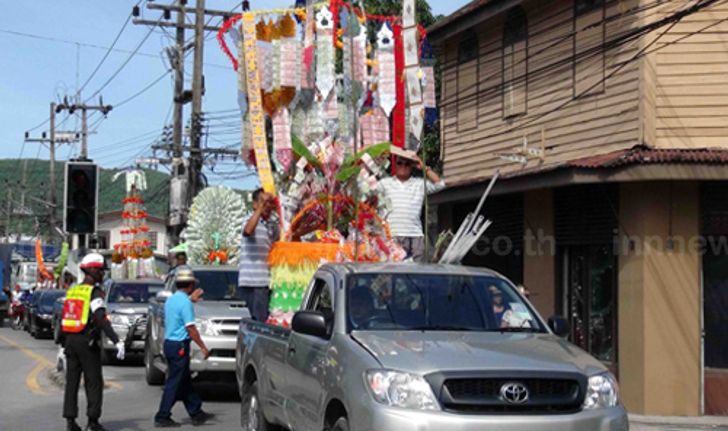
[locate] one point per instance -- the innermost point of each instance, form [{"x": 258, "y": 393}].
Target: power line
[{"x": 108, "y": 51}]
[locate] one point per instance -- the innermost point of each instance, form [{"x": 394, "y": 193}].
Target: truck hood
[
  {"x": 127, "y": 308},
  {"x": 221, "y": 310},
  {"x": 437, "y": 351}
]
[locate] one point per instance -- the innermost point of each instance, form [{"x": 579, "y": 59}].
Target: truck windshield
[
  {"x": 218, "y": 285},
  {"x": 130, "y": 293},
  {"x": 421, "y": 302}
]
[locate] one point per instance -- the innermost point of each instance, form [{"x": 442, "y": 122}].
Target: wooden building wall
[
  {"x": 692, "y": 79},
  {"x": 474, "y": 130}
]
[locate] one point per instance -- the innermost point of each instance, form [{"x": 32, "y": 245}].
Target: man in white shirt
[{"x": 406, "y": 195}]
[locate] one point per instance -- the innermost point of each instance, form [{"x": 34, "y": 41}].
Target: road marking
[{"x": 43, "y": 363}]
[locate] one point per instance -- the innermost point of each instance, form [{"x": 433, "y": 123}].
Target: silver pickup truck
[
  {"x": 217, "y": 315},
  {"x": 379, "y": 347}
]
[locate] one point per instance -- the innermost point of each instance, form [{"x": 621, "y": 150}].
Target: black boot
[
  {"x": 71, "y": 425},
  {"x": 94, "y": 425}
]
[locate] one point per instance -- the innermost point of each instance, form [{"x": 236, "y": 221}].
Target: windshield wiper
[
  {"x": 443, "y": 328},
  {"x": 515, "y": 329}
]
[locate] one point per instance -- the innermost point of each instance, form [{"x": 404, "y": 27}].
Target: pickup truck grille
[
  {"x": 227, "y": 326},
  {"x": 483, "y": 395}
]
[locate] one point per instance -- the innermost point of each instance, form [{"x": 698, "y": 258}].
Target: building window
[
  {"x": 153, "y": 236},
  {"x": 515, "y": 65},
  {"x": 589, "y": 61},
  {"x": 468, "y": 47}
]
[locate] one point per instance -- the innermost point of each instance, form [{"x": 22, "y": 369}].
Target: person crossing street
[
  {"x": 84, "y": 317},
  {"x": 179, "y": 327}
]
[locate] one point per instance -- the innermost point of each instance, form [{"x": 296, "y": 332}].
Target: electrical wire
[{"x": 108, "y": 51}]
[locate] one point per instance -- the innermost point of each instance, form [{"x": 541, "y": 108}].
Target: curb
[{"x": 703, "y": 421}]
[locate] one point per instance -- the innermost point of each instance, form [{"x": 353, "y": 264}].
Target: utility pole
[
  {"x": 197, "y": 90},
  {"x": 52, "y": 174},
  {"x": 185, "y": 173},
  {"x": 9, "y": 212},
  {"x": 178, "y": 62},
  {"x": 72, "y": 107}
]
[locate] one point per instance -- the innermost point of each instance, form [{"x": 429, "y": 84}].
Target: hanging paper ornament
[
  {"x": 359, "y": 51},
  {"x": 257, "y": 120},
  {"x": 282, "y": 139},
  {"x": 325, "y": 57},
  {"x": 307, "y": 72},
  {"x": 410, "y": 38},
  {"x": 374, "y": 127},
  {"x": 414, "y": 86},
  {"x": 386, "y": 85},
  {"x": 288, "y": 53},
  {"x": 416, "y": 124},
  {"x": 428, "y": 86},
  {"x": 409, "y": 17},
  {"x": 264, "y": 53}
]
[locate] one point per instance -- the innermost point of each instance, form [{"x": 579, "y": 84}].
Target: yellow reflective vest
[{"x": 76, "y": 308}]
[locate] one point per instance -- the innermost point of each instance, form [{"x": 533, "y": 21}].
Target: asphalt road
[{"x": 29, "y": 400}]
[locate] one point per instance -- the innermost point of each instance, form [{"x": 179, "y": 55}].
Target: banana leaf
[
  {"x": 299, "y": 148},
  {"x": 374, "y": 151}
]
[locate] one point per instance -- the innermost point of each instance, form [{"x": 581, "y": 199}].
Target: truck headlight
[
  {"x": 206, "y": 327},
  {"x": 602, "y": 391},
  {"x": 120, "y": 320},
  {"x": 396, "y": 389}
]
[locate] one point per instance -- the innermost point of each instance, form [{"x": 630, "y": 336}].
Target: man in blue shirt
[{"x": 179, "y": 329}]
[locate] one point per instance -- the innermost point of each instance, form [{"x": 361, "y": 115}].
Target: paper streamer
[
  {"x": 325, "y": 56},
  {"x": 399, "y": 121},
  {"x": 409, "y": 17},
  {"x": 386, "y": 86},
  {"x": 282, "y": 139},
  {"x": 414, "y": 88},
  {"x": 255, "y": 102},
  {"x": 359, "y": 51},
  {"x": 428, "y": 81},
  {"x": 374, "y": 127}
]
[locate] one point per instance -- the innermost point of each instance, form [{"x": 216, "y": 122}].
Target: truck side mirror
[
  {"x": 310, "y": 323},
  {"x": 162, "y": 296},
  {"x": 559, "y": 325}
]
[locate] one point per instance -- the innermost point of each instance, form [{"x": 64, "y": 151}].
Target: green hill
[{"x": 110, "y": 194}]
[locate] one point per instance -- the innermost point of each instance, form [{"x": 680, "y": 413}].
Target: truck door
[{"x": 306, "y": 361}]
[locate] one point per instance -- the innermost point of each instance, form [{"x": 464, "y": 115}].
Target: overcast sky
[{"x": 61, "y": 44}]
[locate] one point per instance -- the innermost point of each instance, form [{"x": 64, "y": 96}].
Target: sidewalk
[{"x": 645, "y": 423}]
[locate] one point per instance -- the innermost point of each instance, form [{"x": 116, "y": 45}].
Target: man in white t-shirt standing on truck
[{"x": 406, "y": 195}]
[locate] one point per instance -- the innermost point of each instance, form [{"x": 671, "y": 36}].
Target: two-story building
[{"x": 608, "y": 123}]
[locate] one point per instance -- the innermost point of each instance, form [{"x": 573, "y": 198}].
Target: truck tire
[
  {"x": 152, "y": 374},
  {"x": 251, "y": 412},
  {"x": 342, "y": 424}
]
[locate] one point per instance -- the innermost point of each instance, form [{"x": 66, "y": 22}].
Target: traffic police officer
[
  {"x": 84, "y": 316},
  {"x": 179, "y": 328}
]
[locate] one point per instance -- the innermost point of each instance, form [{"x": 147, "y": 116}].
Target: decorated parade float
[
  {"x": 326, "y": 92},
  {"x": 133, "y": 256}
]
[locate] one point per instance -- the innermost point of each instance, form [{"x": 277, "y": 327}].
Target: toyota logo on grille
[{"x": 514, "y": 393}]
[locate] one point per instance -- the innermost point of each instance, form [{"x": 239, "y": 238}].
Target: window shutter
[{"x": 586, "y": 214}]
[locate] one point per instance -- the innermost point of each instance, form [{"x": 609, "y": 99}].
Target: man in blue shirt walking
[{"x": 179, "y": 329}]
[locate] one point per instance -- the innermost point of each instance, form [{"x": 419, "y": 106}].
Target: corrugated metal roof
[{"x": 643, "y": 155}]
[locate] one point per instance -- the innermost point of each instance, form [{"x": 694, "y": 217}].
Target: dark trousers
[
  {"x": 257, "y": 299},
  {"x": 178, "y": 386},
  {"x": 82, "y": 358}
]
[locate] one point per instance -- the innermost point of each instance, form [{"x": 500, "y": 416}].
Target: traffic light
[{"x": 81, "y": 196}]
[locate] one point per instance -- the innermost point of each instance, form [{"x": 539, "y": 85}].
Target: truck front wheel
[{"x": 251, "y": 412}]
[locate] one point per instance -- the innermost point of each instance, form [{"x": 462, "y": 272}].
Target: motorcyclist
[{"x": 84, "y": 317}]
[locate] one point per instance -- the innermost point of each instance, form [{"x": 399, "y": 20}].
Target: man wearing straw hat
[{"x": 406, "y": 195}]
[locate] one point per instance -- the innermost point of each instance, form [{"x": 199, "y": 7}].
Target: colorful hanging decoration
[
  {"x": 330, "y": 134},
  {"x": 256, "y": 118},
  {"x": 386, "y": 84},
  {"x": 133, "y": 257},
  {"x": 325, "y": 58},
  {"x": 282, "y": 139},
  {"x": 374, "y": 127}
]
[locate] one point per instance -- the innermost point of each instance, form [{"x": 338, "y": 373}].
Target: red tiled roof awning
[{"x": 643, "y": 155}]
